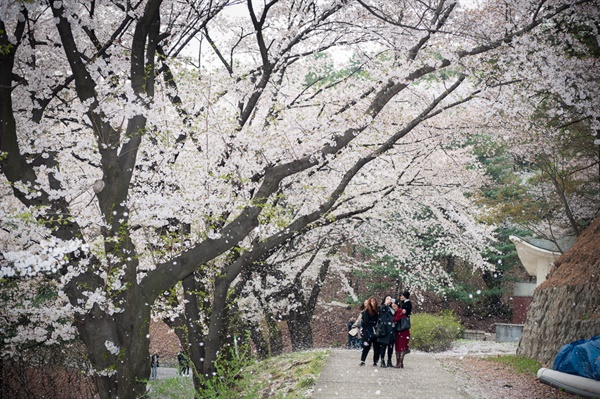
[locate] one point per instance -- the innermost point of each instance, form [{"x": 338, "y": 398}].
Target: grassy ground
[
  {"x": 519, "y": 364},
  {"x": 505, "y": 376},
  {"x": 292, "y": 375}
]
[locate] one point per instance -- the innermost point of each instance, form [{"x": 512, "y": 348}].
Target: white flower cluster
[
  {"x": 46, "y": 257},
  {"x": 48, "y": 313},
  {"x": 111, "y": 347},
  {"x": 101, "y": 298}
]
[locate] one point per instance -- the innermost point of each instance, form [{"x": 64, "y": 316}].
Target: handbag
[
  {"x": 380, "y": 330},
  {"x": 403, "y": 324},
  {"x": 354, "y": 331}
]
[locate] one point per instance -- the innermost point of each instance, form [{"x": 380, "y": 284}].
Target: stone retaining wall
[{"x": 558, "y": 316}]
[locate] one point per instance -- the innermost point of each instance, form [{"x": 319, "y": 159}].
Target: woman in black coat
[
  {"x": 405, "y": 303},
  {"x": 386, "y": 342},
  {"x": 369, "y": 319}
]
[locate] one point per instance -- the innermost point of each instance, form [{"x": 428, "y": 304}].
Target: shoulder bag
[
  {"x": 403, "y": 324},
  {"x": 380, "y": 328}
]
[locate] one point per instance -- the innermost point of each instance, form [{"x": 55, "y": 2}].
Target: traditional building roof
[
  {"x": 537, "y": 255},
  {"x": 561, "y": 245}
]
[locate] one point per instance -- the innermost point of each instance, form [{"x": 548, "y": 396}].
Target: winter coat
[
  {"x": 402, "y": 337},
  {"x": 407, "y": 305},
  {"x": 368, "y": 323},
  {"x": 386, "y": 314},
  {"x": 398, "y": 316}
]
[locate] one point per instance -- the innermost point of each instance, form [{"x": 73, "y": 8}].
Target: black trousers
[
  {"x": 390, "y": 350},
  {"x": 367, "y": 347}
]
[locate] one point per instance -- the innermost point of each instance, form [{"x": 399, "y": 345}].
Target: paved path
[
  {"x": 166, "y": 372},
  {"x": 421, "y": 378}
]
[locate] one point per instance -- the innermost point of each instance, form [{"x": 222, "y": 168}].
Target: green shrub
[
  {"x": 434, "y": 333},
  {"x": 228, "y": 381}
]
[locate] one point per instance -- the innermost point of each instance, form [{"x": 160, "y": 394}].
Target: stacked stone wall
[
  {"x": 556, "y": 317},
  {"x": 566, "y": 307}
]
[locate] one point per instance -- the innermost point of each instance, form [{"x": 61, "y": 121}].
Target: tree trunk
[
  {"x": 275, "y": 336},
  {"x": 122, "y": 374},
  {"x": 194, "y": 350},
  {"x": 260, "y": 342},
  {"x": 450, "y": 263},
  {"x": 274, "y": 339},
  {"x": 216, "y": 330},
  {"x": 559, "y": 187},
  {"x": 299, "y": 319},
  {"x": 1, "y": 377},
  {"x": 300, "y": 330}
]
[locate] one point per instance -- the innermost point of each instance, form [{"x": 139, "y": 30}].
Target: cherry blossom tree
[
  {"x": 128, "y": 166},
  {"x": 550, "y": 128}
]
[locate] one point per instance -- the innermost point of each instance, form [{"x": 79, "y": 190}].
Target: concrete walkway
[
  {"x": 164, "y": 373},
  {"x": 422, "y": 377}
]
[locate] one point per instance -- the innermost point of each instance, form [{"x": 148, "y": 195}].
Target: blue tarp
[{"x": 580, "y": 358}]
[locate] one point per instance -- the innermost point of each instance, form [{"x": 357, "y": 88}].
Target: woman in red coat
[{"x": 402, "y": 337}]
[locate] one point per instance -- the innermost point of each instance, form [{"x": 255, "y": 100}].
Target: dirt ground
[{"x": 484, "y": 379}]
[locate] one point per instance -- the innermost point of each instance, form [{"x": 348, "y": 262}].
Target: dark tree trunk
[
  {"x": 217, "y": 326},
  {"x": 300, "y": 330},
  {"x": 1, "y": 377},
  {"x": 258, "y": 339},
  {"x": 118, "y": 343},
  {"x": 299, "y": 320},
  {"x": 194, "y": 336},
  {"x": 122, "y": 374},
  {"x": 8, "y": 140},
  {"x": 450, "y": 263},
  {"x": 275, "y": 336}
]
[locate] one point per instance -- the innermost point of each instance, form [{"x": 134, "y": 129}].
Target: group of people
[{"x": 383, "y": 328}]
